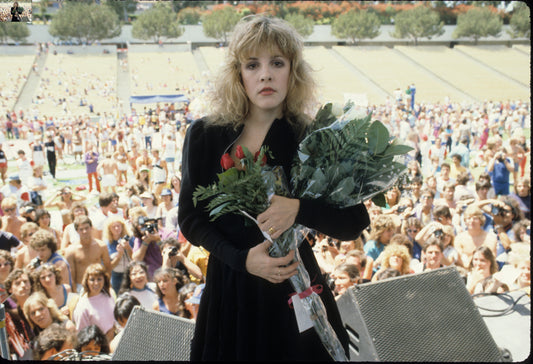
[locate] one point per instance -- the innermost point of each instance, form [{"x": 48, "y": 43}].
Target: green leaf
[
  {"x": 396, "y": 149},
  {"x": 379, "y": 200},
  {"x": 343, "y": 190},
  {"x": 378, "y": 137}
]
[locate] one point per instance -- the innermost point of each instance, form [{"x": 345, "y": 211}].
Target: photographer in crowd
[{"x": 148, "y": 238}]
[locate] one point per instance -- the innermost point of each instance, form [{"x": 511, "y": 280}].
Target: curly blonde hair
[
  {"x": 230, "y": 103},
  {"x": 400, "y": 251}
]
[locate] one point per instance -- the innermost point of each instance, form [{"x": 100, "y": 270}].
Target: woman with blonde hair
[
  {"x": 117, "y": 237},
  {"x": 41, "y": 312},
  {"x": 260, "y": 99},
  {"x": 396, "y": 257},
  {"x": 383, "y": 227}
]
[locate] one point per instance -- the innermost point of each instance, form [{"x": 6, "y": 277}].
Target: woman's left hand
[{"x": 279, "y": 216}]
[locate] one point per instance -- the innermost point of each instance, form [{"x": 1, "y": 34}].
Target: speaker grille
[
  {"x": 424, "y": 317},
  {"x": 152, "y": 335}
]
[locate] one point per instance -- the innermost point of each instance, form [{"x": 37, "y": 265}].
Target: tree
[
  {"x": 156, "y": 23},
  {"x": 18, "y": 32},
  {"x": 356, "y": 25},
  {"x": 189, "y": 16},
  {"x": 220, "y": 23},
  {"x": 122, "y": 8},
  {"x": 520, "y": 21},
  {"x": 304, "y": 26},
  {"x": 478, "y": 23},
  {"x": 85, "y": 22},
  {"x": 418, "y": 22}
]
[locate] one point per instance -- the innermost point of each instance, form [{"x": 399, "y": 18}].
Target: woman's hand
[
  {"x": 274, "y": 270},
  {"x": 279, "y": 216}
]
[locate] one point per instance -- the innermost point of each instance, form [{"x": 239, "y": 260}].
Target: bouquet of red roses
[{"x": 343, "y": 161}]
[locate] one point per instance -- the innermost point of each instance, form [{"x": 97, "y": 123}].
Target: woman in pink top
[{"x": 96, "y": 304}]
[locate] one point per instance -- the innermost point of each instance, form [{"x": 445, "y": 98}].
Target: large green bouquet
[{"x": 342, "y": 161}]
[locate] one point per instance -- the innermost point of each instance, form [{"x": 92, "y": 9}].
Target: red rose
[
  {"x": 239, "y": 153},
  {"x": 226, "y": 161},
  {"x": 263, "y": 161}
]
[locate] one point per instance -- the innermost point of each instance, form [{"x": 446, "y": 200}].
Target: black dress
[{"x": 241, "y": 316}]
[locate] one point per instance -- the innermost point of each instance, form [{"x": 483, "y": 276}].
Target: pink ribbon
[{"x": 317, "y": 288}]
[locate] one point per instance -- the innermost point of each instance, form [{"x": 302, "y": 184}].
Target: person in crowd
[
  {"x": 16, "y": 190},
  {"x": 523, "y": 280},
  {"x": 43, "y": 219},
  {"x": 52, "y": 341},
  {"x": 47, "y": 279},
  {"x": 91, "y": 165},
  {"x": 70, "y": 235},
  {"x": 96, "y": 304},
  {"x": 41, "y": 312},
  {"x": 20, "y": 334},
  {"x": 383, "y": 228},
  {"x": 175, "y": 187},
  {"x": 149, "y": 202},
  {"x": 392, "y": 197},
  {"x": 397, "y": 257},
  {"x": 449, "y": 253},
  {"x": 45, "y": 245},
  {"x": 66, "y": 199},
  {"x": 108, "y": 206},
  {"x": 123, "y": 308},
  {"x": 7, "y": 264},
  {"x": 8, "y": 241},
  {"x": 346, "y": 276},
  {"x": 482, "y": 190},
  {"x": 25, "y": 254},
  {"x": 432, "y": 254},
  {"x": 522, "y": 195},
  {"x": 159, "y": 172},
  {"x": 88, "y": 252},
  {"x": 36, "y": 186},
  {"x": 92, "y": 339},
  {"x": 174, "y": 257},
  {"x": 148, "y": 237},
  {"x": 164, "y": 208},
  {"x": 448, "y": 196},
  {"x": 486, "y": 178},
  {"x": 11, "y": 222},
  {"x": 444, "y": 177},
  {"x": 170, "y": 149},
  {"x": 119, "y": 242},
  {"x": 3, "y": 164},
  {"x": 500, "y": 168},
  {"x": 136, "y": 283},
  {"x": 424, "y": 211},
  {"x": 481, "y": 278},
  {"x": 267, "y": 78},
  {"x": 169, "y": 282},
  {"x": 415, "y": 190},
  {"x": 386, "y": 274},
  {"x": 121, "y": 157},
  {"x": 362, "y": 262},
  {"x": 50, "y": 147},
  {"x": 108, "y": 169},
  {"x": 192, "y": 302},
  {"x": 142, "y": 177},
  {"x": 468, "y": 241}
]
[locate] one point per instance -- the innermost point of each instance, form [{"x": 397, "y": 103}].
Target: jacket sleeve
[
  {"x": 339, "y": 223},
  {"x": 194, "y": 220}
]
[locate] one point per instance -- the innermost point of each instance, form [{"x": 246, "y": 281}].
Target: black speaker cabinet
[
  {"x": 427, "y": 317},
  {"x": 155, "y": 336}
]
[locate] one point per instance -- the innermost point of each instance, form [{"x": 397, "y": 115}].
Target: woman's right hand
[{"x": 274, "y": 270}]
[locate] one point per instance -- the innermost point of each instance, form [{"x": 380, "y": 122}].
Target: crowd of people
[
  {"x": 15, "y": 12},
  {"x": 465, "y": 202}
]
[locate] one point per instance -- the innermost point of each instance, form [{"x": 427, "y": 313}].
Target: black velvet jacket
[{"x": 241, "y": 316}]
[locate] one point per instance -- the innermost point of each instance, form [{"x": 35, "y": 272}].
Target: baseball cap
[{"x": 166, "y": 192}]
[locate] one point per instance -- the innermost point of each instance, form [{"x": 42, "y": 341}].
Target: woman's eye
[
  {"x": 251, "y": 66},
  {"x": 279, "y": 63}
]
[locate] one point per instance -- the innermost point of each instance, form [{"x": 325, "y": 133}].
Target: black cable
[{"x": 500, "y": 312}]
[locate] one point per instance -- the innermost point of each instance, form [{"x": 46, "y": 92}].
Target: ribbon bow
[{"x": 317, "y": 288}]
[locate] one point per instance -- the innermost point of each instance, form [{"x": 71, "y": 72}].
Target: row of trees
[{"x": 86, "y": 22}]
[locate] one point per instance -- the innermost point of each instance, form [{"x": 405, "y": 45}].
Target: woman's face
[
  {"x": 138, "y": 278},
  {"x": 44, "y": 221},
  {"x": 5, "y": 268},
  {"x": 147, "y": 201},
  {"x": 395, "y": 261},
  {"x": 386, "y": 236},
  {"x": 473, "y": 222},
  {"x": 95, "y": 284},
  {"x": 166, "y": 283},
  {"x": 342, "y": 282},
  {"x": 265, "y": 77},
  {"x": 480, "y": 263},
  {"x": 40, "y": 315},
  {"x": 116, "y": 230},
  {"x": 412, "y": 231},
  {"x": 78, "y": 211},
  {"x": 47, "y": 279},
  {"x": 522, "y": 189},
  {"x": 524, "y": 269}
]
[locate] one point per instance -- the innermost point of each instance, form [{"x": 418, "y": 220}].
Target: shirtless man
[
  {"x": 109, "y": 171},
  {"x": 474, "y": 237},
  {"x": 11, "y": 222},
  {"x": 89, "y": 251}
]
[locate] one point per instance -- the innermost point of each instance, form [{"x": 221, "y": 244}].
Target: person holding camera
[
  {"x": 174, "y": 257},
  {"x": 148, "y": 238},
  {"x": 500, "y": 168},
  {"x": 120, "y": 247}
]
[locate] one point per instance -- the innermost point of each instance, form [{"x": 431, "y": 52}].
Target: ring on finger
[{"x": 271, "y": 230}]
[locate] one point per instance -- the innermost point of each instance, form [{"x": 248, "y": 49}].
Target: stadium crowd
[{"x": 466, "y": 202}]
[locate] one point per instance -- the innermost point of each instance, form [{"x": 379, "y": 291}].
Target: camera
[
  {"x": 438, "y": 233},
  {"x": 496, "y": 210},
  {"x": 173, "y": 252},
  {"x": 402, "y": 208},
  {"x": 127, "y": 238},
  {"x": 147, "y": 224},
  {"x": 35, "y": 262}
]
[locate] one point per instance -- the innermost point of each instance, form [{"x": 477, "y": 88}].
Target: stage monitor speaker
[
  {"x": 427, "y": 317},
  {"x": 154, "y": 336}
]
